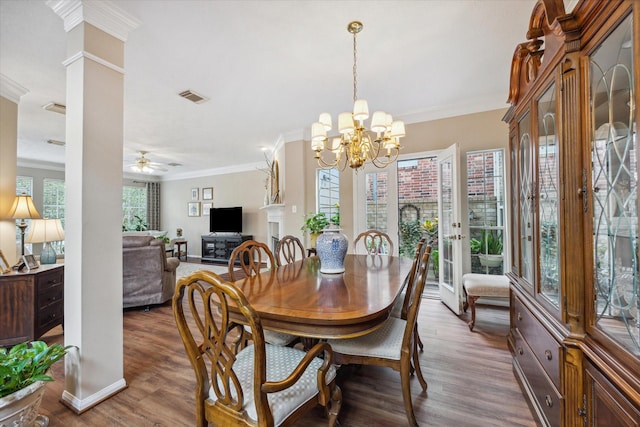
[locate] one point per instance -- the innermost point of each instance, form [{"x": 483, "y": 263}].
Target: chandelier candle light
[{"x": 355, "y": 146}]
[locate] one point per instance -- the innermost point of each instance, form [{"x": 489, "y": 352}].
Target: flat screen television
[{"x": 225, "y": 220}]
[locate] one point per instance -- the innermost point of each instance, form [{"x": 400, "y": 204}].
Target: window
[
  {"x": 485, "y": 192},
  {"x": 328, "y": 193},
  {"x": 134, "y": 208},
  {"x": 53, "y": 201}
]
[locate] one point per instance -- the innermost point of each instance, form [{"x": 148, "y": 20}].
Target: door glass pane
[
  {"x": 615, "y": 188},
  {"x": 449, "y": 229},
  {"x": 417, "y": 203},
  {"x": 548, "y": 196},
  {"x": 485, "y": 194},
  {"x": 515, "y": 252},
  {"x": 376, "y": 206},
  {"x": 526, "y": 218}
]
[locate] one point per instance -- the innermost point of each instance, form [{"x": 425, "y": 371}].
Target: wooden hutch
[{"x": 574, "y": 276}]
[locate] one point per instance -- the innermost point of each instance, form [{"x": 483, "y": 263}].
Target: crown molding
[
  {"x": 40, "y": 164},
  {"x": 247, "y": 167},
  {"x": 11, "y": 90},
  {"x": 104, "y": 15}
]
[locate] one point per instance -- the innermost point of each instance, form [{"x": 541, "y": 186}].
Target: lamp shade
[
  {"x": 23, "y": 208},
  {"x": 45, "y": 230}
]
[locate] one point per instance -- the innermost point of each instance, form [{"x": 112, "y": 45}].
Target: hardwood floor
[{"x": 469, "y": 376}]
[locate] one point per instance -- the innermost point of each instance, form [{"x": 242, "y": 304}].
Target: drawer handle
[
  {"x": 519, "y": 316},
  {"x": 548, "y": 354},
  {"x": 520, "y": 351},
  {"x": 548, "y": 401}
]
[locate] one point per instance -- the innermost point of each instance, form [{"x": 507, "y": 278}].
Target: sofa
[{"x": 148, "y": 276}]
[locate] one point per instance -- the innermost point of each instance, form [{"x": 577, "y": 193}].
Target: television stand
[{"x": 218, "y": 247}]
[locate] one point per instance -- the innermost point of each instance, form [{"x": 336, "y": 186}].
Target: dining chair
[
  {"x": 373, "y": 242},
  {"x": 258, "y": 385},
  {"x": 400, "y": 305},
  {"x": 289, "y": 249},
  {"x": 253, "y": 257},
  {"x": 392, "y": 345}
]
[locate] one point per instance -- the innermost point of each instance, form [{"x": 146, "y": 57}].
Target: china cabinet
[{"x": 575, "y": 317}]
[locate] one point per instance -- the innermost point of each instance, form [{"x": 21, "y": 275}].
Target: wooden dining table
[{"x": 299, "y": 299}]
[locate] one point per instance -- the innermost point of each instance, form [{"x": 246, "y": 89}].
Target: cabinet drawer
[
  {"x": 49, "y": 278},
  {"x": 547, "y": 397},
  {"x": 50, "y": 295},
  {"x": 545, "y": 348},
  {"x": 50, "y": 316}
]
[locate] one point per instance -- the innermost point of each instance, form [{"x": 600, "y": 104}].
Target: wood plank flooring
[{"x": 469, "y": 376}]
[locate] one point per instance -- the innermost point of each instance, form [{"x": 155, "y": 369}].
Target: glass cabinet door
[
  {"x": 515, "y": 252},
  {"x": 526, "y": 199},
  {"x": 614, "y": 188},
  {"x": 549, "y": 281}
]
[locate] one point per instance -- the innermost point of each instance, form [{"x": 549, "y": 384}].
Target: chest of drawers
[{"x": 31, "y": 303}]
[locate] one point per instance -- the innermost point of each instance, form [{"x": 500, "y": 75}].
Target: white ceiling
[{"x": 268, "y": 67}]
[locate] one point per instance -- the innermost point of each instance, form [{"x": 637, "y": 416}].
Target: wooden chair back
[
  {"x": 252, "y": 257},
  {"x": 373, "y": 242},
  {"x": 209, "y": 338},
  {"x": 206, "y": 310},
  {"x": 413, "y": 296},
  {"x": 289, "y": 249},
  {"x": 420, "y": 248}
]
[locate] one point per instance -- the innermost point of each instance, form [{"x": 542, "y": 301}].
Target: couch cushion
[{"x": 136, "y": 241}]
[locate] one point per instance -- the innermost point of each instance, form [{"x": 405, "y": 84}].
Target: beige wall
[
  {"x": 472, "y": 132},
  {"x": 297, "y": 169},
  {"x": 8, "y": 150},
  {"x": 244, "y": 189}
]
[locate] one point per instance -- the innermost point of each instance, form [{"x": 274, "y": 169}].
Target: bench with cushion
[{"x": 483, "y": 285}]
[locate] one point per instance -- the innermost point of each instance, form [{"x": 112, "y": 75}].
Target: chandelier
[{"x": 355, "y": 146}]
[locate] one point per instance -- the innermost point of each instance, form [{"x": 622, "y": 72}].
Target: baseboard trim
[{"x": 81, "y": 405}]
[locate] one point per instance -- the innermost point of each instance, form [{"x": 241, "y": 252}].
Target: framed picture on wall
[
  {"x": 206, "y": 207},
  {"x": 194, "y": 208},
  {"x": 207, "y": 193},
  {"x": 194, "y": 194},
  {"x": 4, "y": 265}
]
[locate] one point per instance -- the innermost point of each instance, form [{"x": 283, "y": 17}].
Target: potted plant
[
  {"x": 23, "y": 374},
  {"x": 489, "y": 248},
  {"x": 314, "y": 223}
]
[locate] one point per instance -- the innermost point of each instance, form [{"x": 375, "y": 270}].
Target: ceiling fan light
[
  {"x": 345, "y": 123},
  {"x": 360, "y": 110},
  {"x": 325, "y": 119}
]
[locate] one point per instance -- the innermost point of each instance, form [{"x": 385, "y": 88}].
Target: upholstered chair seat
[
  {"x": 281, "y": 361},
  {"x": 385, "y": 342}
]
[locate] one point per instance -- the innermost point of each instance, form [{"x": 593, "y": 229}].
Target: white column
[
  {"x": 10, "y": 94},
  {"x": 96, "y": 32}
]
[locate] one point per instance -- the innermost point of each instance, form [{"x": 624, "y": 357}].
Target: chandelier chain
[{"x": 355, "y": 69}]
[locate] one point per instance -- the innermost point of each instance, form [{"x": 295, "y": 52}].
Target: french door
[
  {"x": 450, "y": 232},
  {"x": 376, "y": 201}
]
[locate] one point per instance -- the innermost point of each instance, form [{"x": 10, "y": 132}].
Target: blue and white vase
[{"x": 331, "y": 247}]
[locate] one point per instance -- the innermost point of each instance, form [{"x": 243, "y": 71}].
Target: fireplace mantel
[{"x": 275, "y": 224}]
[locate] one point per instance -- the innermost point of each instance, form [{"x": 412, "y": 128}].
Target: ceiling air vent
[
  {"x": 193, "y": 97},
  {"x": 56, "y": 108},
  {"x": 56, "y": 142}
]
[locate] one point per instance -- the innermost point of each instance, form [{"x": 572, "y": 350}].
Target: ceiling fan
[{"x": 144, "y": 165}]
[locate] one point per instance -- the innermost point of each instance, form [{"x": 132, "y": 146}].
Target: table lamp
[
  {"x": 22, "y": 209},
  {"x": 45, "y": 231}
]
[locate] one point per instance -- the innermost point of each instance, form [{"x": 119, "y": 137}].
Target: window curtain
[{"x": 153, "y": 205}]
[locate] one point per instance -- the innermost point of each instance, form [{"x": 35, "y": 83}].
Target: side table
[{"x": 179, "y": 252}]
